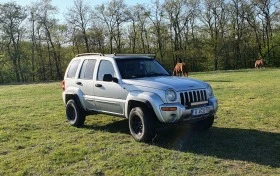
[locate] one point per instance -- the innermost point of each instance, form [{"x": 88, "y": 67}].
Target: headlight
[
  {"x": 170, "y": 95},
  {"x": 209, "y": 91}
]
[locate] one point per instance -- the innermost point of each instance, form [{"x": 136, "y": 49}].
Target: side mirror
[
  {"x": 115, "y": 80},
  {"x": 109, "y": 78}
]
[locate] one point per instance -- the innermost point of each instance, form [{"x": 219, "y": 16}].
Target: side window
[
  {"x": 87, "y": 69},
  {"x": 73, "y": 69},
  {"x": 105, "y": 67},
  {"x": 83, "y": 69}
]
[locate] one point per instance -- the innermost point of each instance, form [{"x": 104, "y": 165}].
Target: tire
[
  {"x": 205, "y": 124},
  {"x": 74, "y": 114},
  {"x": 141, "y": 124}
]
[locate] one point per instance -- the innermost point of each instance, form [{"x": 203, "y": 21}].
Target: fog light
[
  {"x": 172, "y": 118},
  {"x": 169, "y": 108}
]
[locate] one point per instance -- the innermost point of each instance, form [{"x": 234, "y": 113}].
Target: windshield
[{"x": 138, "y": 68}]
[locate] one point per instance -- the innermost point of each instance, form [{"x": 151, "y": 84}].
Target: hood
[{"x": 166, "y": 82}]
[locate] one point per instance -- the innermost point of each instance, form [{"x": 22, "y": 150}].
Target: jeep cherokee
[{"x": 136, "y": 87}]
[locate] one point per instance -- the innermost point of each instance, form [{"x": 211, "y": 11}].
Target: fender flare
[
  {"x": 152, "y": 101},
  {"x": 78, "y": 94}
]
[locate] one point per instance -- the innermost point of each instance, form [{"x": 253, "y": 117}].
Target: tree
[
  {"x": 49, "y": 25},
  {"x": 119, "y": 12},
  {"x": 32, "y": 19},
  {"x": 267, "y": 9},
  {"x": 113, "y": 15},
  {"x": 208, "y": 34},
  {"x": 80, "y": 17},
  {"x": 178, "y": 17},
  {"x": 156, "y": 16},
  {"x": 214, "y": 18},
  {"x": 133, "y": 34},
  {"x": 11, "y": 19},
  {"x": 141, "y": 17}
]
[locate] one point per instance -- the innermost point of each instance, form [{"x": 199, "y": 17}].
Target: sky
[{"x": 62, "y": 5}]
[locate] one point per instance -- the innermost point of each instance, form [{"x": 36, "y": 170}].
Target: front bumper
[{"x": 181, "y": 113}]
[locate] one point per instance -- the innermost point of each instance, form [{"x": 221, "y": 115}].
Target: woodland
[{"x": 210, "y": 35}]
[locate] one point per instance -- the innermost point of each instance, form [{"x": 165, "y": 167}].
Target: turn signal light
[{"x": 169, "y": 108}]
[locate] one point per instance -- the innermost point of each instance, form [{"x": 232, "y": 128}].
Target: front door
[{"x": 107, "y": 94}]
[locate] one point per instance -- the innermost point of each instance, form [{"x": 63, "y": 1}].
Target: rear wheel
[
  {"x": 141, "y": 124},
  {"x": 74, "y": 114},
  {"x": 205, "y": 123}
]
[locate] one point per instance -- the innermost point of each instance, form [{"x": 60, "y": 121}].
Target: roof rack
[
  {"x": 144, "y": 54},
  {"x": 118, "y": 54},
  {"x": 88, "y": 54}
]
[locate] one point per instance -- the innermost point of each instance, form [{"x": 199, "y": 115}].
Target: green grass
[{"x": 35, "y": 138}]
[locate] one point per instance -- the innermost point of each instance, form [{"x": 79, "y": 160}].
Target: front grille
[{"x": 194, "y": 97}]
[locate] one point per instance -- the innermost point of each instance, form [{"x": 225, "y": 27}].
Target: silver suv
[{"x": 136, "y": 87}]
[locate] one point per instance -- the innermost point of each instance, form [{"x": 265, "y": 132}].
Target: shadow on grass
[
  {"x": 217, "y": 81},
  {"x": 115, "y": 127},
  {"x": 225, "y": 143},
  {"x": 28, "y": 83}
]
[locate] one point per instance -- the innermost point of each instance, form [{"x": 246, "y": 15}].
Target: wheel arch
[
  {"x": 149, "y": 100},
  {"x": 138, "y": 103},
  {"x": 76, "y": 98}
]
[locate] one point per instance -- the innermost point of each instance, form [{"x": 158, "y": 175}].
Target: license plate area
[{"x": 199, "y": 111}]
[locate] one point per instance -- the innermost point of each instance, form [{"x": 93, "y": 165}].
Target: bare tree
[
  {"x": 214, "y": 18},
  {"x": 49, "y": 25},
  {"x": 113, "y": 15},
  {"x": 97, "y": 38},
  {"x": 80, "y": 17},
  {"x": 32, "y": 19},
  {"x": 251, "y": 16},
  {"x": 119, "y": 10},
  {"x": 238, "y": 23},
  {"x": 106, "y": 17},
  {"x": 267, "y": 9},
  {"x": 157, "y": 17},
  {"x": 179, "y": 18},
  {"x": 142, "y": 19},
  {"x": 133, "y": 32}
]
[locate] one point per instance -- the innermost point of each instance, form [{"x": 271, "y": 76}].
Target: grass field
[{"x": 35, "y": 138}]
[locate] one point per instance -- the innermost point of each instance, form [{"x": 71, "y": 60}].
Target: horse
[
  {"x": 181, "y": 69},
  {"x": 260, "y": 63}
]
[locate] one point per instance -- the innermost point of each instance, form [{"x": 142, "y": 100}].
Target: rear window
[{"x": 73, "y": 69}]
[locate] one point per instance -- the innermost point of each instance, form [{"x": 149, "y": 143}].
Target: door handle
[
  {"x": 98, "y": 85},
  {"x": 79, "y": 83}
]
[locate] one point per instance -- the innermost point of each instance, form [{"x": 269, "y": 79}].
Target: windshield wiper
[
  {"x": 137, "y": 76},
  {"x": 157, "y": 74}
]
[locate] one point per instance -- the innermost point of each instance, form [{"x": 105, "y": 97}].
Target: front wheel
[
  {"x": 205, "y": 123},
  {"x": 141, "y": 124},
  {"x": 74, "y": 114}
]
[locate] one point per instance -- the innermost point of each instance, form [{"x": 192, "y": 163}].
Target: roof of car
[
  {"x": 132, "y": 57},
  {"x": 120, "y": 56}
]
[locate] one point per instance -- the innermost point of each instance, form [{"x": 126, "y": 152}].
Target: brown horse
[
  {"x": 260, "y": 63},
  {"x": 181, "y": 69}
]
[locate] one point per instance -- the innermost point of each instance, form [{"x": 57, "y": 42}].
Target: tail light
[{"x": 63, "y": 85}]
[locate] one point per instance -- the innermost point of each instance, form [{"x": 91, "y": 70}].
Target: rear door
[
  {"x": 71, "y": 72},
  {"x": 85, "y": 82}
]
